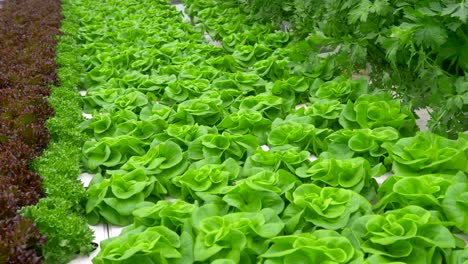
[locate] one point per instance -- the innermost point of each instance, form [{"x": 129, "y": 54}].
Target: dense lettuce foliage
[{"x": 204, "y": 151}]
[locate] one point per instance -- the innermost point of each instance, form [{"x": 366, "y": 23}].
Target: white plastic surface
[
  {"x": 85, "y": 178},
  {"x": 87, "y": 116},
  {"x": 265, "y": 148}
]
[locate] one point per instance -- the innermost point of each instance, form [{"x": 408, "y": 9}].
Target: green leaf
[{"x": 455, "y": 205}]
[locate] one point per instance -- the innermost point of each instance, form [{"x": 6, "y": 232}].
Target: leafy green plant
[
  {"x": 367, "y": 143},
  {"x": 324, "y": 113},
  {"x": 223, "y": 146},
  {"x": 115, "y": 198},
  {"x": 455, "y": 204},
  {"x": 293, "y": 90},
  {"x": 379, "y": 110},
  {"x": 202, "y": 111},
  {"x": 256, "y": 192},
  {"x": 151, "y": 244},
  {"x": 111, "y": 151},
  {"x": 246, "y": 122},
  {"x": 171, "y": 214},
  {"x": 297, "y": 132},
  {"x": 319, "y": 246},
  {"x": 68, "y": 233},
  {"x": 284, "y": 157},
  {"x": 428, "y": 153},
  {"x": 237, "y": 237},
  {"x": 207, "y": 177},
  {"x": 339, "y": 89},
  {"x": 410, "y": 235},
  {"x": 330, "y": 208},
  {"x": 355, "y": 174},
  {"x": 427, "y": 191}
]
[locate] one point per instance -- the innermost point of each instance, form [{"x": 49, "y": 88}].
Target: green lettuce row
[
  {"x": 181, "y": 232},
  {"x": 61, "y": 214}
]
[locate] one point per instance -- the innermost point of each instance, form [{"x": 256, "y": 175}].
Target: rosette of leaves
[
  {"x": 354, "y": 174},
  {"x": 110, "y": 152},
  {"x": 235, "y": 237},
  {"x": 264, "y": 189},
  {"x": 223, "y": 29},
  {"x": 183, "y": 135},
  {"x": 202, "y": 111},
  {"x": 171, "y": 48},
  {"x": 284, "y": 157},
  {"x": 324, "y": 113},
  {"x": 208, "y": 178},
  {"x": 223, "y": 146},
  {"x": 272, "y": 68},
  {"x": 366, "y": 143},
  {"x": 227, "y": 63},
  {"x": 227, "y": 96},
  {"x": 100, "y": 97},
  {"x": 143, "y": 64},
  {"x": 156, "y": 244},
  {"x": 428, "y": 153},
  {"x": 116, "y": 197},
  {"x": 378, "y": 110},
  {"x": 164, "y": 161},
  {"x": 132, "y": 78},
  {"x": 298, "y": 132},
  {"x": 172, "y": 215},
  {"x": 120, "y": 98},
  {"x": 339, "y": 88},
  {"x": 247, "y": 55},
  {"x": 155, "y": 84},
  {"x": 170, "y": 69},
  {"x": 246, "y": 121},
  {"x": 182, "y": 90},
  {"x": 455, "y": 205},
  {"x": 427, "y": 191},
  {"x": 407, "y": 235},
  {"x": 104, "y": 124},
  {"x": 100, "y": 74},
  {"x": 320, "y": 246},
  {"x": 274, "y": 39},
  {"x": 202, "y": 72},
  {"x": 226, "y": 82},
  {"x": 313, "y": 207},
  {"x": 155, "y": 112},
  {"x": 232, "y": 41},
  {"x": 141, "y": 129},
  {"x": 292, "y": 90},
  {"x": 249, "y": 82},
  {"x": 246, "y": 82},
  {"x": 269, "y": 105}
]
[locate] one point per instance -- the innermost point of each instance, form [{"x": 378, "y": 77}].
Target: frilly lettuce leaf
[
  {"x": 331, "y": 208},
  {"x": 321, "y": 246}
]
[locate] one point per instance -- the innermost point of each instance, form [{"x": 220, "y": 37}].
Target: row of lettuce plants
[
  {"x": 60, "y": 215},
  {"x": 41, "y": 200},
  {"x": 204, "y": 152}
]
